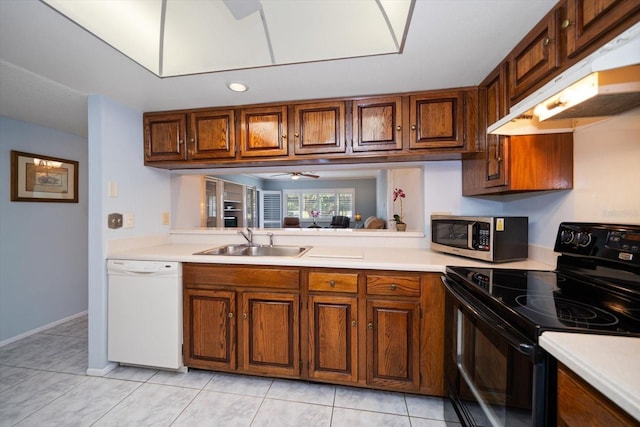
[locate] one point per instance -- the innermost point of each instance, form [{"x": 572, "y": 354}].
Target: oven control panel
[{"x": 608, "y": 241}]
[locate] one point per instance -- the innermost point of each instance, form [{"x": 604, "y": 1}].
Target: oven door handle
[{"x": 492, "y": 321}]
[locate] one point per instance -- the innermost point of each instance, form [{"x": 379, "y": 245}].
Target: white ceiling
[{"x": 48, "y": 65}]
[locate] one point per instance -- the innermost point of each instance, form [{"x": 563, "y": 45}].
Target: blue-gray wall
[{"x": 43, "y": 246}]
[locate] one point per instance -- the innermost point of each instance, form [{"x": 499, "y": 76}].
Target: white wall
[
  {"x": 116, "y": 155},
  {"x": 43, "y": 246},
  {"x": 606, "y": 185}
]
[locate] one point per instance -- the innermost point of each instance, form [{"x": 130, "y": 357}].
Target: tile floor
[{"x": 43, "y": 383}]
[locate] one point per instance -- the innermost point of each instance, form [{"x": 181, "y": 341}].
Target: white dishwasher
[{"x": 145, "y": 313}]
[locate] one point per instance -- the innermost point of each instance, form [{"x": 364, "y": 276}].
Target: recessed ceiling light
[{"x": 237, "y": 86}]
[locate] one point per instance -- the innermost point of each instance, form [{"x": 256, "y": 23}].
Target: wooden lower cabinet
[
  {"x": 210, "y": 329},
  {"x": 333, "y": 338},
  {"x": 393, "y": 344},
  {"x": 366, "y": 328},
  {"x": 270, "y": 331},
  {"x": 581, "y": 405}
]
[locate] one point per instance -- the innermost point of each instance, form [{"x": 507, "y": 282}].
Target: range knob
[
  {"x": 566, "y": 236},
  {"x": 583, "y": 239}
]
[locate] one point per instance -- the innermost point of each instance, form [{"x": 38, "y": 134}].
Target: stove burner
[{"x": 572, "y": 313}]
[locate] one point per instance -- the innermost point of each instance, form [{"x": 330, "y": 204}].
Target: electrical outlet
[
  {"x": 129, "y": 220},
  {"x": 165, "y": 218},
  {"x": 114, "y": 220}
]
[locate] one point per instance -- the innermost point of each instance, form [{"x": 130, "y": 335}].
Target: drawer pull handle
[
  {"x": 370, "y": 325},
  {"x": 332, "y": 283},
  {"x": 393, "y": 286},
  {"x": 230, "y": 315},
  {"x": 353, "y": 323},
  {"x": 244, "y": 315}
]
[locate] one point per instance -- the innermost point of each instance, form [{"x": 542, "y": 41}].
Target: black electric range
[
  {"x": 594, "y": 289},
  {"x": 496, "y": 372}
]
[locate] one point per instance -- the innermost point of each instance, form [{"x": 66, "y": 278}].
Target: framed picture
[{"x": 36, "y": 178}]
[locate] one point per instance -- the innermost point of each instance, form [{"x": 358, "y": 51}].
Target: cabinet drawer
[
  {"x": 393, "y": 285},
  {"x": 335, "y": 282},
  {"x": 198, "y": 276}
]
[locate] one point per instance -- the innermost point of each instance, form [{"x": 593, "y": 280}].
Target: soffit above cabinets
[{"x": 182, "y": 37}]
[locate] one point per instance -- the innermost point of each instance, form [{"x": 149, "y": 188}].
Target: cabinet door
[
  {"x": 377, "y": 124},
  {"x": 393, "y": 344},
  {"x": 333, "y": 338},
  {"x": 164, "y": 137},
  {"x": 493, "y": 96},
  {"x": 588, "y": 20},
  {"x": 263, "y": 131},
  {"x": 212, "y": 135},
  {"x": 209, "y": 329},
  {"x": 535, "y": 57},
  {"x": 437, "y": 120},
  {"x": 579, "y": 404},
  {"x": 270, "y": 333},
  {"x": 319, "y": 128}
]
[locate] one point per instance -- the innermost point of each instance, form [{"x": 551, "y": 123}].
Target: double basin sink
[{"x": 256, "y": 250}]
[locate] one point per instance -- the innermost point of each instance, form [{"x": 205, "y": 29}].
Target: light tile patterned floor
[{"x": 43, "y": 383}]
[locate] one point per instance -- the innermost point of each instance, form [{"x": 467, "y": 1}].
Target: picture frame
[{"x": 39, "y": 178}]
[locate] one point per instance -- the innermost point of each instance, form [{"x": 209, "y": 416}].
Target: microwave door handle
[
  {"x": 498, "y": 326},
  {"x": 470, "y": 227}
]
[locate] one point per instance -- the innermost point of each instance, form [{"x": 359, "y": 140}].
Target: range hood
[{"x": 604, "y": 84}]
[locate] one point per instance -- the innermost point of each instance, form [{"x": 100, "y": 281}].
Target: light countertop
[
  {"x": 381, "y": 258},
  {"x": 611, "y": 364}
]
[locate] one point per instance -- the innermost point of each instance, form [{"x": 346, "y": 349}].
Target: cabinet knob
[
  {"x": 547, "y": 41},
  {"x": 230, "y": 315},
  {"x": 393, "y": 286},
  {"x": 370, "y": 325},
  {"x": 413, "y": 127},
  {"x": 566, "y": 24},
  {"x": 244, "y": 315},
  {"x": 398, "y": 128},
  {"x": 296, "y": 134},
  {"x": 353, "y": 323},
  {"x": 284, "y": 136},
  {"x": 332, "y": 283}
]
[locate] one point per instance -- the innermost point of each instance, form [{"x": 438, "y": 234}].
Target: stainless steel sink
[{"x": 256, "y": 250}]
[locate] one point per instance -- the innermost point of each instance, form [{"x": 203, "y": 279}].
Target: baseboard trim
[
  {"x": 92, "y": 372},
  {"x": 42, "y": 328}
]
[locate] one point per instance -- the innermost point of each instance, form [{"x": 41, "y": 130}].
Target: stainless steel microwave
[{"x": 487, "y": 238}]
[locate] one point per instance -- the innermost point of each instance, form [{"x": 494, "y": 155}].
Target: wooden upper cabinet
[
  {"x": 164, "y": 137},
  {"x": 588, "y": 20},
  {"x": 319, "y": 128},
  {"x": 263, "y": 131},
  {"x": 437, "y": 120},
  {"x": 377, "y": 124},
  {"x": 536, "y": 56},
  {"x": 493, "y": 97},
  {"x": 212, "y": 135}
]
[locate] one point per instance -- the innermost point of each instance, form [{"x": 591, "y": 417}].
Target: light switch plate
[
  {"x": 129, "y": 220},
  {"x": 114, "y": 220}
]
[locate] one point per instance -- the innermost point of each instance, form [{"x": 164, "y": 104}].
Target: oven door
[{"x": 495, "y": 377}]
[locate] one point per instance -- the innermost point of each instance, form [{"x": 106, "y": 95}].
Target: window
[{"x": 329, "y": 203}]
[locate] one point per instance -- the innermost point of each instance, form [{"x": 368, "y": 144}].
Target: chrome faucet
[
  {"x": 270, "y": 239},
  {"x": 248, "y": 235}
]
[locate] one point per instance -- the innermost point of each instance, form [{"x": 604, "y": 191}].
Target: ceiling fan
[{"x": 297, "y": 175}]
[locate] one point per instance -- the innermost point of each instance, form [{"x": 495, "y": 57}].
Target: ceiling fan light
[{"x": 237, "y": 86}]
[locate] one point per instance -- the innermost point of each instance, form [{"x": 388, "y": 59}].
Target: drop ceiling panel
[
  {"x": 131, "y": 26},
  {"x": 208, "y": 37},
  {"x": 326, "y": 30}
]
